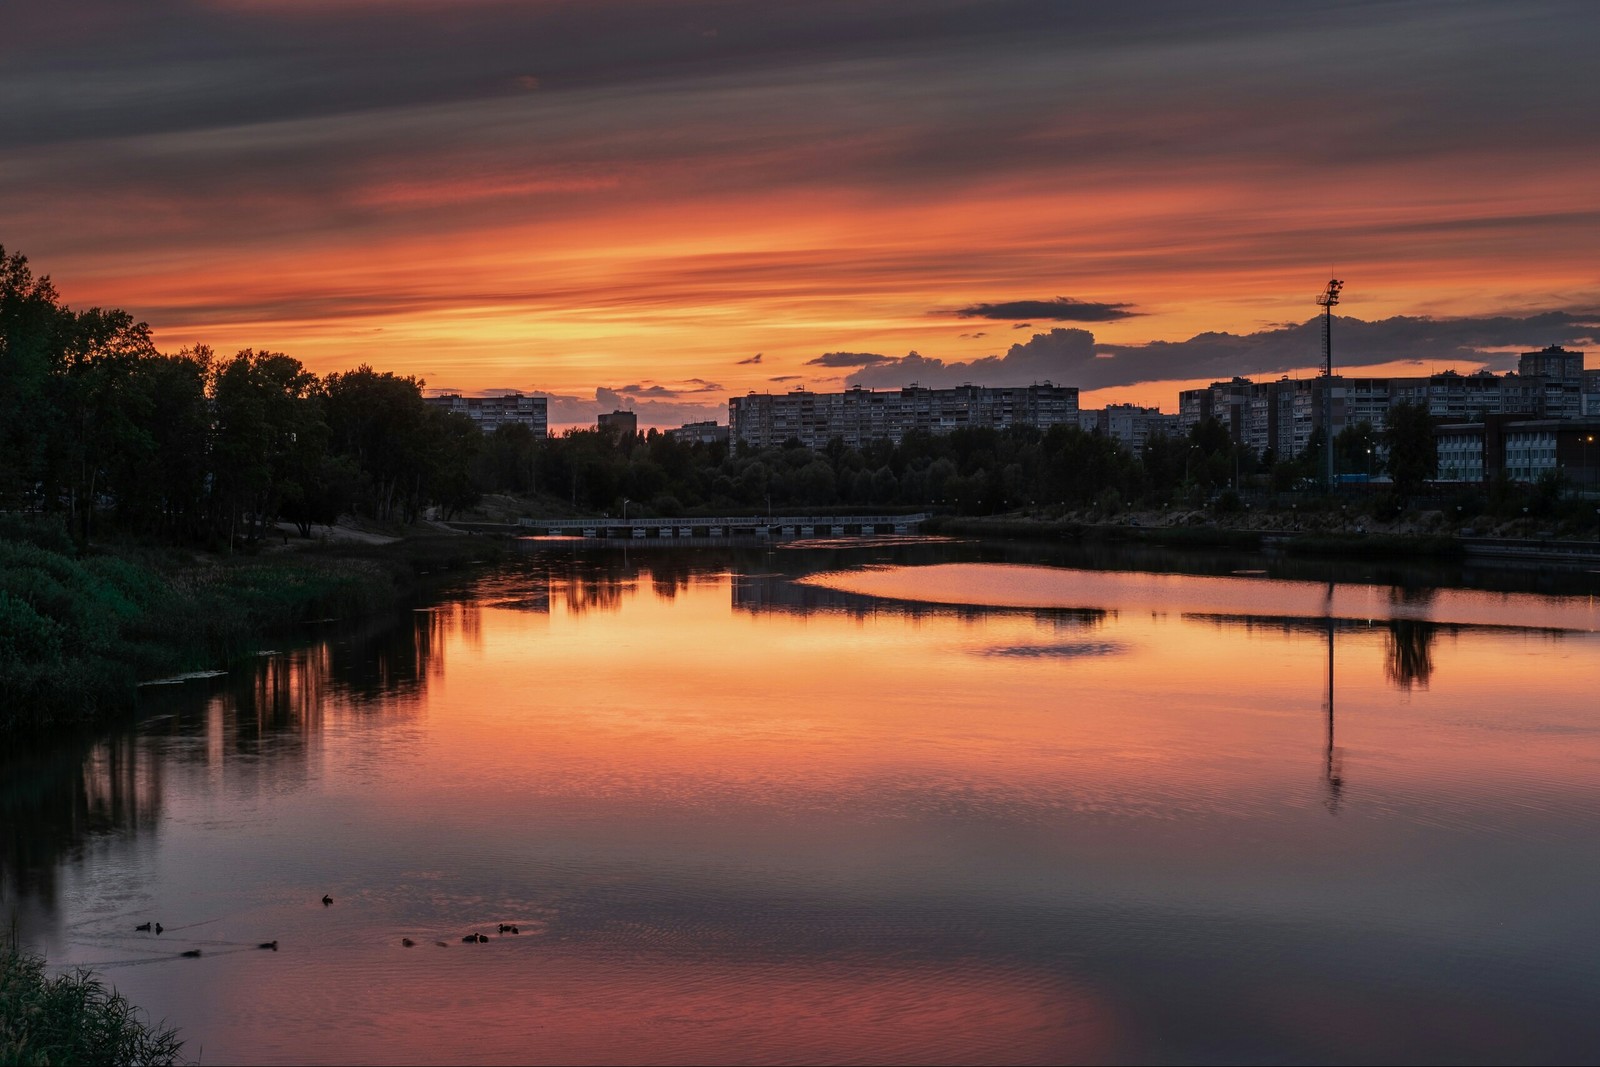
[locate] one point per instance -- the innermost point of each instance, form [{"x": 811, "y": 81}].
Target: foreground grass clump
[{"x": 72, "y": 1018}]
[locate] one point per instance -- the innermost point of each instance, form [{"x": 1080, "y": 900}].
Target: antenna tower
[{"x": 1327, "y": 300}]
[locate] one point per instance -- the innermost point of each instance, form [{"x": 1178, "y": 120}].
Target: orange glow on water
[{"x": 740, "y": 817}]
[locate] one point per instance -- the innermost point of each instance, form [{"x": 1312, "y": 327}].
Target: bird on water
[{"x": 326, "y": 900}]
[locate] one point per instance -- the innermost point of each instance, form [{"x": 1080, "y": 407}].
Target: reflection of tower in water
[
  {"x": 1333, "y": 763},
  {"x": 1408, "y": 663}
]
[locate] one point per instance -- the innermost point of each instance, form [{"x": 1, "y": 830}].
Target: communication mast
[{"x": 1326, "y": 300}]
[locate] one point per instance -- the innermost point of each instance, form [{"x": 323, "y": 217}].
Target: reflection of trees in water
[
  {"x": 252, "y": 731},
  {"x": 599, "y": 581},
  {"x": 382, "y": 659},
  {"x": 591, "y": 592},
  {"x": 760, "y": 593},
  {"x": 1409, "y": 660},
  {"x": 1410, "y": 640},
  {"x": 1410, "y": 655},
  {"x": 60, "y": 804}
]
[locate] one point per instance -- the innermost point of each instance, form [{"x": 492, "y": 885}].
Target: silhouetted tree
[{"x": 1413, "y": 455}]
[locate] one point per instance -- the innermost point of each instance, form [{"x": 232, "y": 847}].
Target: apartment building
[
  {"x": 857, "y": 416},
  {"x": 1128, "y": 424},
  {"x": 492, "y": 412}
]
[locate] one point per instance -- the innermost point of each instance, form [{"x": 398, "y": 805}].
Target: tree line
[
  {"x": 99, "y": 426},
  {"x": 193, "y": 447}
]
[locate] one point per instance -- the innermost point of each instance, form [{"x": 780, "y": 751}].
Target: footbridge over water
[{"x": 729, "y": 527}]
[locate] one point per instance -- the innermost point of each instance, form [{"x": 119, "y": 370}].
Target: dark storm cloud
[
  {"x": 299, "y": 110},
  {"x": 107, "y": 67},
  {"x": 1061, "y": 309},
  {"x": 849, "y": 359},
  {"x": 1073, "y": 357}
]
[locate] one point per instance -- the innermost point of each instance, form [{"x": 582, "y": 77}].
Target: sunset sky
[{"x": 659, "y": 204}]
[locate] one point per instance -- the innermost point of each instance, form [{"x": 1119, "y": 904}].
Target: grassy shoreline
[
  {"x": 80, "y": 630},
  {"x": 73, "y": 1018}
]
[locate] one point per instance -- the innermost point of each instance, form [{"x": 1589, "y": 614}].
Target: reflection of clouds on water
[{"x": 1063, "y": 651}]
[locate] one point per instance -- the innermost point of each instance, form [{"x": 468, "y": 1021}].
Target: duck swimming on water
[
  {"x": 144, "y": 927},
  {"x": 193, "y": 953},
  {"x": 326, "y": 900},
  {"x": 273, "y": 945}
]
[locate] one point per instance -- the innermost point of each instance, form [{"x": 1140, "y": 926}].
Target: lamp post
[{"x": 625, "y": 503}]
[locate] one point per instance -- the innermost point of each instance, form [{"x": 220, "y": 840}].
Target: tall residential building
[
  {"x": 1282, "y": 415},
  {"x": 1131, "y": 425},
  {"x": 1589, "y": 397},
  {"x": 857, "y": 416},
  {"x": 1228, "y": 402},
  {"x": 621, "y": 424},
  {"x": 1563, "y": 375},
  {"x": 492, "y": 412}
]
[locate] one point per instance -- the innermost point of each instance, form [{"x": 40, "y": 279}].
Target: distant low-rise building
[
  {"x": 702, "y": 433},
  {"x": 1525, "y": 450},
  {"x": 489, "y": 413}
]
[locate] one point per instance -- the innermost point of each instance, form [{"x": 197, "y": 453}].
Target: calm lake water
[{"x": 895, "y": 803}]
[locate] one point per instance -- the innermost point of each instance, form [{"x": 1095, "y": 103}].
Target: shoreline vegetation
[
  {"x": 73, "y": 1018},
  {"x": 81, "y": 629}
]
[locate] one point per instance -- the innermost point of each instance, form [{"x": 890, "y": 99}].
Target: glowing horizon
[{"x": 636, "y": 200}]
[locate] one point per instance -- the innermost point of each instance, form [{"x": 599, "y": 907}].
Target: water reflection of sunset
[{"x": 737, "y": 822}]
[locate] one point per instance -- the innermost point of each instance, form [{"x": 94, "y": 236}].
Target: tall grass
[{"x": 72, "y": 1018}]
